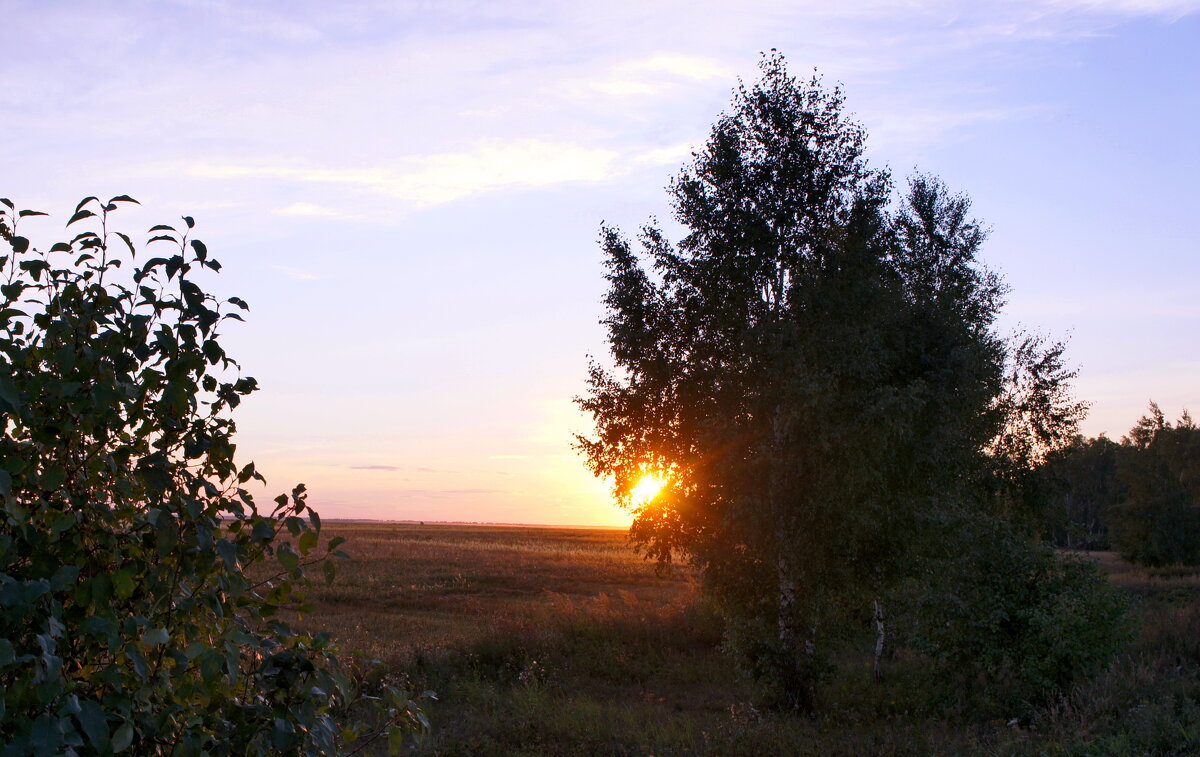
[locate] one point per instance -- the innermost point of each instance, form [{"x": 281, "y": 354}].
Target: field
[{"x": 558, "y": 641}]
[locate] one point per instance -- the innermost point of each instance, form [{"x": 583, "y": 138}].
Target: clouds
[
  {"x": 421, "y": 183},
  {"x": 292, "y": 272},
  {"x": 428, "y": 180},
  {"x": 658, "y": 73},
  {"x": 403, "y": 107},
  {"x": 1171, "y": 9}
]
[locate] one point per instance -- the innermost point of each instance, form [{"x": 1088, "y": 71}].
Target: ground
[{"x": 562, "y": 641}]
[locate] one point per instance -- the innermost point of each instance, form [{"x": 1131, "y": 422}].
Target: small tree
[
  {"x": 128, "y": 618},
  {"x": 817, "y": 378}
]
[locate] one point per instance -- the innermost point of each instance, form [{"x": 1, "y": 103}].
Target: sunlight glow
[{"x": 646, "y": 489}]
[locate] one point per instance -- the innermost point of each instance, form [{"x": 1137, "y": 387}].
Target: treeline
[{"x": 1140, "y": 496}]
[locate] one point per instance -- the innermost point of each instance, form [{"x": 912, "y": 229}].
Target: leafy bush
[
  {"x": 128, "y": 618},
  {"x": 782, "y": 679},
  {"x": 1029, "y": 621}
]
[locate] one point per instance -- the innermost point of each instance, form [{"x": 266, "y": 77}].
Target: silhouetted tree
[{"x": 819, "y": 378}]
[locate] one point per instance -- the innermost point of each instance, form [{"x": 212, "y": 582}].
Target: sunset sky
[{"x": 408, "y": 194}]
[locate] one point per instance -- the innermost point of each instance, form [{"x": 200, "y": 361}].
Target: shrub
[
  {"x": 1026, "y": 619},
  {"x": 128, "y": 620}
]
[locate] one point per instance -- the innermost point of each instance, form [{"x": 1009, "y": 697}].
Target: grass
[{"x": 557, "y": 641}]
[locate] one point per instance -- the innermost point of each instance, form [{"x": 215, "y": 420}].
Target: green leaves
[
  {"x": 53, "y": 478},
  {"x": 80, "y": 215},
  {"x": 122, "y": 583},
  {"x": 308, "y": 541},
  {"x": 10, "y": 400},
  {"x": 94, "y": 725},
  {"x": 153, "y": 637},
  {"x": 287, "y": 557},
  {"x": 166, "y": 534},
  {"x": 123, "y": 738},
  {"x": 247, "y": 473},
  {"x": 128, "y": 242},
  {"x": 128, "y": 619}
]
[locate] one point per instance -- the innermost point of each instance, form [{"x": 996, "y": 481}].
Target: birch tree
[{"x": 814, "y": 373}]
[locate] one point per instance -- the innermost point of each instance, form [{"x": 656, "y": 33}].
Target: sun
[{"x": 646, "y": 489}]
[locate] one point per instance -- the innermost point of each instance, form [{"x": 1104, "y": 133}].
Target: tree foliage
[
  {"x": 1083, "y": 489},
  {"x": 1141, "y": 496},
  {"x": 1156, "y": 520},
  {"x": 1026, "y": 620},
  {"x": 817, "y": 373},
  {"x": 140, "y": 585}
]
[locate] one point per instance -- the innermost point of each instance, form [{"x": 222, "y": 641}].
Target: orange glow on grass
[{"x": 646, "y": 489}]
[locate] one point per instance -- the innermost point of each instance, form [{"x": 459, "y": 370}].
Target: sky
[{"x": 409, "y": 194}]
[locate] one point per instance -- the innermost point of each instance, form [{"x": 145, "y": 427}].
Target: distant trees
[
  {"x": 1141, "y": 496},
  {"x": 1082, "y": 489},
  {"x": 818, "y": 378},
  {"x": 1156, "y": 521},
  {"x": 130, "y": 620}
]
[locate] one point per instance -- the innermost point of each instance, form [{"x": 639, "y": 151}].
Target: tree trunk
[
  {"x": 880, "y": 639},
  {"x": 787, "y": 606},
  {"x": 798, "y": 679}
]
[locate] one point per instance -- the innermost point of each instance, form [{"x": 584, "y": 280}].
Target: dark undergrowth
[
  {"x": 610, "y": 680},
  {"x": 615, "y": 673}
]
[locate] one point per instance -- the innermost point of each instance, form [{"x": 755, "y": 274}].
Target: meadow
[{"x": 564, "y": 641}]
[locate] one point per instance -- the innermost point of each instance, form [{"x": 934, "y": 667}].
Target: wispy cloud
[
  {"x": 908, "y": 125},
  {"x": 437, "y": 178},
  {"x": 440, "y": 493},
  {"x": 656, "y": 73},
  {"x": 294, "y": 273},
  {"x": 1170, "y": 8},
  {"x": 389, "y": 468},
  {"x": 671, "y": 154},
  {"x": 311, "y": 210}
]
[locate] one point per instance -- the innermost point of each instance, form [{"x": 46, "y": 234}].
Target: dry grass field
[
  {"x": 410, "y": 589},
  {"x": 561, "y": 641}
]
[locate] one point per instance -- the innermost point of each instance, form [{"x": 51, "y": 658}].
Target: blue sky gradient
[{"x": 409, "y": 194}]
